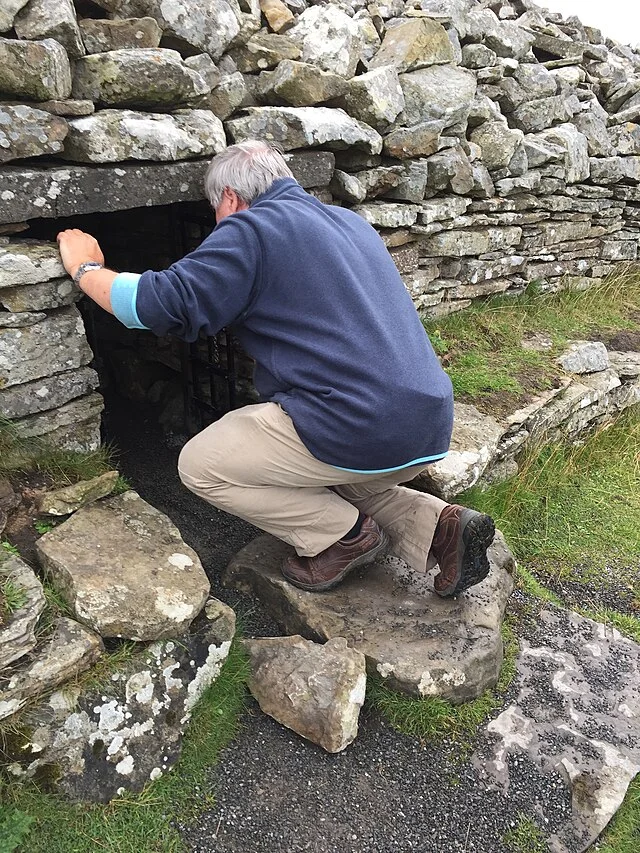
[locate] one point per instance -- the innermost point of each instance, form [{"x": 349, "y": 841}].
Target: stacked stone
[
  {"x": 491, "y": 144},
  {"x": 46, "y": 386}
]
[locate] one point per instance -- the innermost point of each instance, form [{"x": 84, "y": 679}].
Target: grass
[
  {"x": 142, "y": 823},
  {"x": 481, "y": 348},
  {"x": 525, "y": 837},
  {"x": 432, "y": 718},
  {"x": 61, "y": 467},
  {"x": 623, "y": 833}
]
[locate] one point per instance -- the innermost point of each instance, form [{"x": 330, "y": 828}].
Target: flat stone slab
[
  {"x": 418, "y": 642},
  {"x": 124, "y": 570},
  {"x": 17, "y": 635},
  {"x": 576, "y": 713},
  {"x": 71, "y": 650},
  {"x": 71, "y": 498}
]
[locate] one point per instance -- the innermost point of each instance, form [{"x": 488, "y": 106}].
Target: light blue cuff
[
  {"x": 124, "y": 291},
  {"x": 422, "y": 461}
]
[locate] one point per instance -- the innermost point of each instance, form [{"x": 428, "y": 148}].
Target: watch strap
[{"x": 85, "y": 267}]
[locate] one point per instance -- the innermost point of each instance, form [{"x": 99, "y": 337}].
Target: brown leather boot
[
  {"x": 331, "y": 566},
  {"x": 460, "y": 546}
]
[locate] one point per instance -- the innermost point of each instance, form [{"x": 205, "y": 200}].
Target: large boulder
[
  {"x": 151, "y": 77},
  {"x": 305, "y": 126},
  {"x": 25, "y": 132},
  {"x": 316, "y": 690},
  {"x": 36, "y": 70},
  {"x": 328, "y": 38},
  {"x": 110, "y": 136},
  {"x": 416, "y": 641},
  {"x": 124, "y": 570}
]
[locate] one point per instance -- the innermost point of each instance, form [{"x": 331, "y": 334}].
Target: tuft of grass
[
  {"x": 9, "y": 549},
  {"x": 122, "y": 485},
  {"x": 12, "y": 595},
  {"x": 43, "y": 527},
  {"x": 573, "y": 503},
  {"x": 62, "y": 467},
  {"x": 627, "y": 625},
  {"x": 482, "y": 350},
  {"x": 622, "y": 834},
  {"x": 142, "y": 823},
  {"x": 530, "y": 585},
  {"x": 525, "y": 837},
  {"x": 432, "y": 718}
]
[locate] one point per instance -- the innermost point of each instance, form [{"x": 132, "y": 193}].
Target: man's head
[{"x": 241, "y": 173}]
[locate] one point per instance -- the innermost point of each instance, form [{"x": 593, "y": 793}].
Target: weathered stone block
[
  {"x": 421, "y": 140},
  {"x": 278, "y": 15},
  {"x": 328, "y": 37},
  {"x": 8, "y": 12},
  {"x": 298, "y": 127},
  {"x": 42, "y": 19},
  {"x": 101, "y": 36},
  {"x": 414, "y": 44},
  {"x": 124, "y": 569},
  {"x": 227, "y": 96},
  {"x": 49, "y": 392},
  {"x": 264, "y": 51},
  {"x": 25, "y": 132},
  {"x": 471, "y": 241},
  {"x": 311, "y": 168},
  {"x": 584, "y": 357},
  {"x": 576, "y": 160},
  {"x": 375, "y": 98},
  {"x": 40, "y": 297},
  {"x": 315, "y": 690},
  {"x": 37, "y": 70},
  {"x": 388, "y": 215},
  {"x": 509, "y": 40},
  {"x": 441, "y": 92},
  {"x": 110, "y": 136},
  {"x": 74, "y": 426},
  {"x": 207, "y": 25},
  {"x": 17, "y": 632},
  {"x": 151, "y": 77},
  {"x": 300, "y": 84}
]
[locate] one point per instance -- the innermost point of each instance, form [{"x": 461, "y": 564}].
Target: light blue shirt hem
[
  {"x": 124, "y": 292},
  {"x": 422, "y": 461}
]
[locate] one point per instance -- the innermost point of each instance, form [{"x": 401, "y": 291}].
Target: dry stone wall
[{"x": 491, "y": 144}]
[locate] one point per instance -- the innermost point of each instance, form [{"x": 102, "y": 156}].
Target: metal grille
[{"x": 208, "y": 364}]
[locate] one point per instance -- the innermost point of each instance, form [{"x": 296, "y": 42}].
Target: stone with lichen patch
[
  {"x": 25, "y": 132},
  {"x": 41, "y": 19},
  {"x": 149, "y": 77},
  {"x": 100, "y": 36},
  {"x": 94, "y": 743},
  {"x": 124, "y": 570},
  {"x": 328, "y": 38},
  {"x": 111, "y": 136},
  {"x": 414, "y": 44},
  {"x": 71, "y": 498},
  {"x": 37, "y": 70}
]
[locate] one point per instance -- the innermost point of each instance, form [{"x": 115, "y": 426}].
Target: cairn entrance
[{"x": 185, "y": 386}]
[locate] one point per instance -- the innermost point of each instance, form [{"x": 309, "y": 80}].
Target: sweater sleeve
[{"x": 208, "y": 289}]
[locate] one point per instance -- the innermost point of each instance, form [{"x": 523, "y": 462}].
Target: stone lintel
[{"x": 54, "y": 191}]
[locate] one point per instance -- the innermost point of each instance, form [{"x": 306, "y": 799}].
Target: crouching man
[{"x": 355, "y": 400}]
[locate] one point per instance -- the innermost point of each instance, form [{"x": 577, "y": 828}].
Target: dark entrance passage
[{"x": 186, "y": 386}]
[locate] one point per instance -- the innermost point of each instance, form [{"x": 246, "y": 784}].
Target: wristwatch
[{"x": 85, "y": 267}]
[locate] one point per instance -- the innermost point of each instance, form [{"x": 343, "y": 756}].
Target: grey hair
[{"x": 248, "y": 168}]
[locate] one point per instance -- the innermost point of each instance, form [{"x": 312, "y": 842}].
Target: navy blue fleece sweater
[{"x": 314, "y": 297}]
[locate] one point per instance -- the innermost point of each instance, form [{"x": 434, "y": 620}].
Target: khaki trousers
[{"x": 252, "y": 464}]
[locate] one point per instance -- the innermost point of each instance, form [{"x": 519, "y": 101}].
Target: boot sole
[
  {"x": 362, "y": 560},
  {"x": 477, "y": 537}
]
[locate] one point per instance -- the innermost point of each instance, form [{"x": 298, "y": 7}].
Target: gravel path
[{"x": 275, "y": 792}]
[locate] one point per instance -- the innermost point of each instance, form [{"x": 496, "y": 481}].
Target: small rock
[
  {"x": 300, "y": 84},
  {"x": 264, "y": 51},
  {"x": 420, "y": 140},
  {"x": 414, "y": 44},
  {"x": 279, "y": 17},
  {"x": 37, "y": 70},
  {"x": 25, "y": 132},
  {"x": 585, "y": 357},
  {"x": 17, "y": 632},
  {"x": 316, "y": 690},
  {"x": 42, "y": 19},
  {"x": 375, "y": 98},
  {"x": 227, "y": 96},
  {"x": 101, "y": 36},
  {"x": 71, "y": 498},
  {"x": 328, "y": 37}
]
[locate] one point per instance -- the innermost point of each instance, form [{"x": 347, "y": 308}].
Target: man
[{"x": 355, "y": 400}]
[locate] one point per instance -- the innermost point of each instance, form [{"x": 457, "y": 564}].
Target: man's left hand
[{"x": 77, "y": 247}]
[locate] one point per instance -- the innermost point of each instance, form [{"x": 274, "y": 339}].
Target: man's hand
[{"x": 76, "y": 248}]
